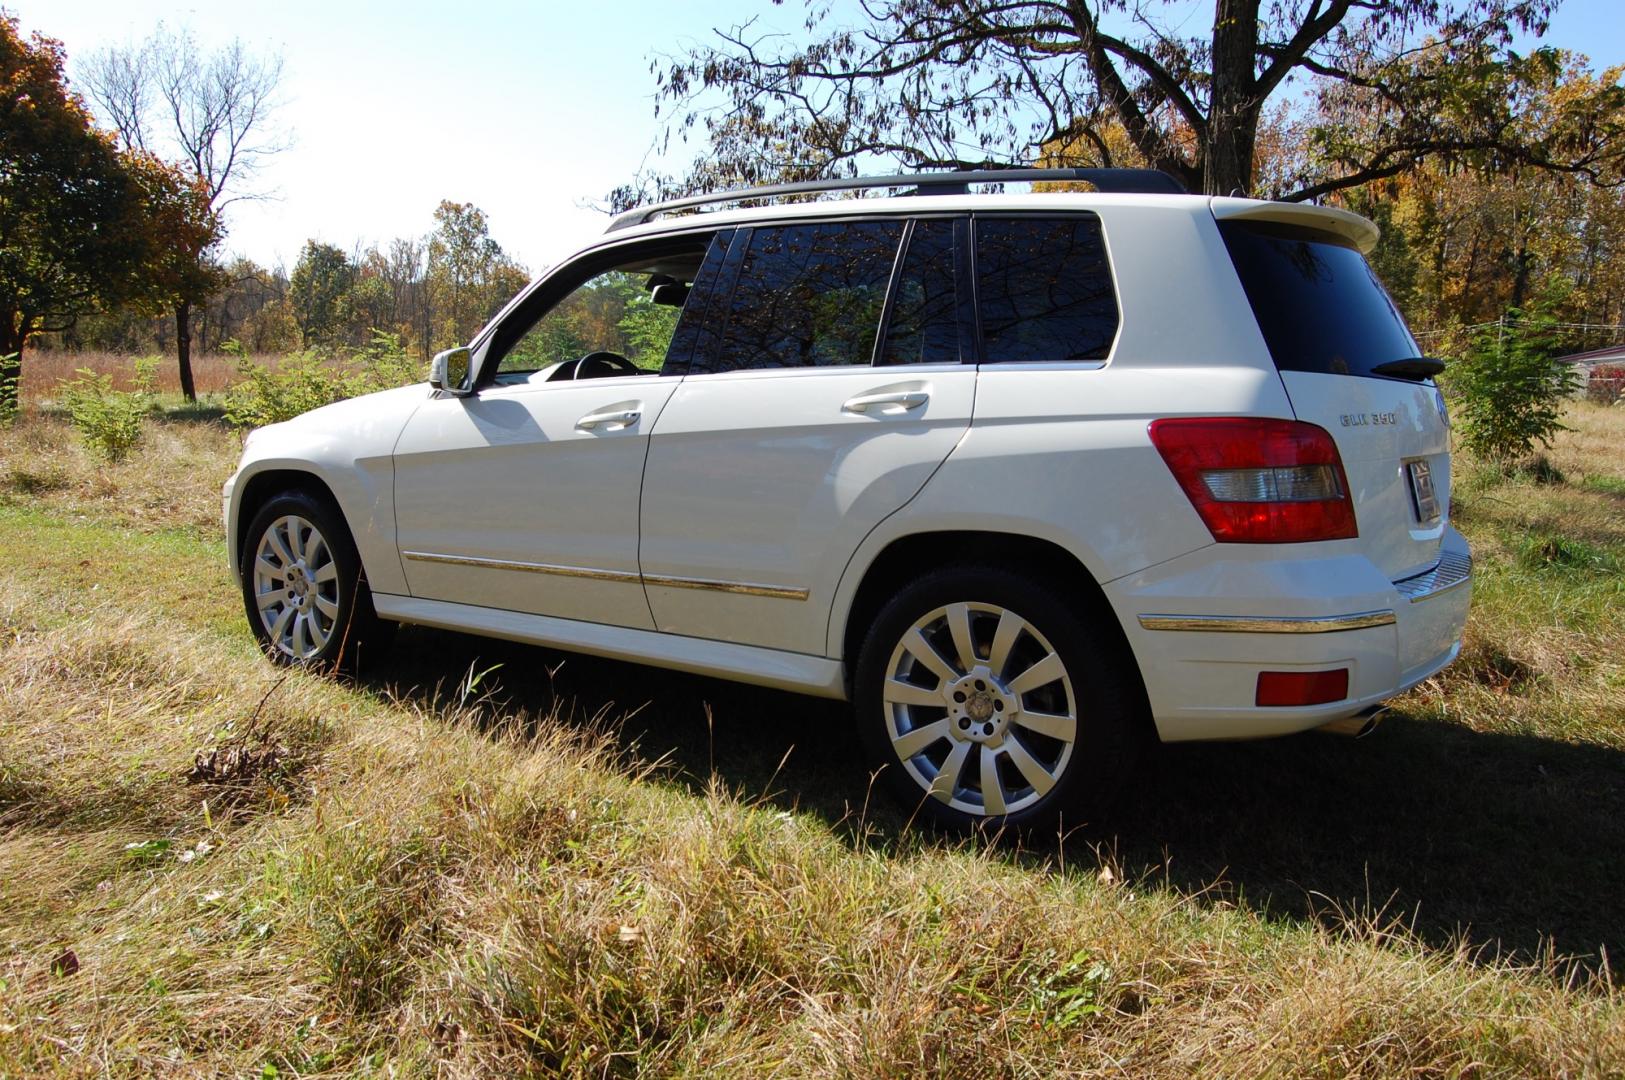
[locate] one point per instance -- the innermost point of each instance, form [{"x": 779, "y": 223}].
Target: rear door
[
  {"x": 801, "y": 423},
  {"x": 1329, "y": 323}
]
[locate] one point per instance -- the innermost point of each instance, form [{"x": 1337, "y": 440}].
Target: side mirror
[{"x": 449, "y": 370}]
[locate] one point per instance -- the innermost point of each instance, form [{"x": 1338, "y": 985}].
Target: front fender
[{"x": 349, "y": 449}]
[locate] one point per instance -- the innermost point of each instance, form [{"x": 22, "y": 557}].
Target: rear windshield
[{"x": 1318, "y": 302}]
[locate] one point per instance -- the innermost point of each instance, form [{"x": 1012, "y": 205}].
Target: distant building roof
[{"x": 1613, "y": 354}]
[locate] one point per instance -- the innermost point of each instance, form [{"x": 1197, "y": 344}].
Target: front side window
[
  {"x": 807, "y": 295},
  {"x": 613, "y": 313},
  {"x": 620, "y": 320},
  {"x": 1044, "y": 290}
]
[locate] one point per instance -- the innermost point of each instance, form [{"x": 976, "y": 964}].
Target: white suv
[{"x": 1026, "y": 478}]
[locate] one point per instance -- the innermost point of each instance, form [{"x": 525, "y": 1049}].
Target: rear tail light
[
  {"x": 1302, "y": 687},
  {"x": 1256, "y": 481}
]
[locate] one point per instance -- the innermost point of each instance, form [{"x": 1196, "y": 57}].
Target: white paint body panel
[
  {"x": 347, "y": 447},
  {"x": 1202, "y": 684},
  {"x": 1379, "y": 425},
  {"x": 508, "y": 476},
  {"x": 762, "y": 477}
]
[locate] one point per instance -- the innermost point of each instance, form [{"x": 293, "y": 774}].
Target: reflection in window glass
[
  {"x": 611, "y": 313},
  {"x": 1318, "y": 302},
  {"x": 1044, "y": 289},
  {"x": 808, "y": 295},
  {"x": 924, "y": 326}
]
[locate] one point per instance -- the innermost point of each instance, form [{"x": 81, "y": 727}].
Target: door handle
[
  {"x": 888, "y": 403},
  {"x": 612, "y": 419}
]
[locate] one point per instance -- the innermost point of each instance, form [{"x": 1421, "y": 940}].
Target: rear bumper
[{"x": 1204, "y": 625}]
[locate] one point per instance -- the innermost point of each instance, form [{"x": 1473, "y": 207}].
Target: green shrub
[
  {"x": 1509, "y": 390},
  {"x": 307, "y": 380},
  {"x": 301, "y": 381},
  {"x": 110, "y": 421}
]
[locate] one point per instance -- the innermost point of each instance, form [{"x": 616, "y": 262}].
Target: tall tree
[
  {"x": 469, "y": 276},
  {"x": 321, "y": 279},
  {"x": 73, "y": 214},
  {"x": 988, "y": 82},
  {"x": 209, "y": 111}
]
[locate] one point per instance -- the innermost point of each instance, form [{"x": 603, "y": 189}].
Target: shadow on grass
[
  {"x": 201, "y": 413},
  {"x": 1516, "y": 841}
]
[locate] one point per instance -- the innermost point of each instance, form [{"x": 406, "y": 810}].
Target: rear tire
[
  {"x": 986, "y": 702},
  {"x": 303, "y": 585}
]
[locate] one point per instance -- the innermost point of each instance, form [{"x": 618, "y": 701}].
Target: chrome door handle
[
  {"x": 900, "y": 401},
  {"x": 609, "y": 419}
]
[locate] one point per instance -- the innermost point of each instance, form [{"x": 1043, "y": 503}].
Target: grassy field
[{"x": 481, "y": 859}]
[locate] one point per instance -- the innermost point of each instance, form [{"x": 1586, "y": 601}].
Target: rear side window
[
  {"x": 923, "y": 327},
  {"x": 807, "y": 296},
  {"x": 1044, "y": 290},
  {"x": 1317, "y": 301}
]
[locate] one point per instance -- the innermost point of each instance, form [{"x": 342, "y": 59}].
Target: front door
[{"x": 524, "y": 494}]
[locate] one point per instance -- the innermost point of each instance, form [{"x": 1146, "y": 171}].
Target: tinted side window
[
  {"x": 923, "y": 327},
  {"x": 1044, "y": 290},
  {"x": 1319, "y": 304},
  {"x": 807, "y": 295}
]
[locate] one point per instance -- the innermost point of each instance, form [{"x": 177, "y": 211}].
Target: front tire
[
  {"x": 985, "y": 702},
  {"x": 303, "y": 587}
]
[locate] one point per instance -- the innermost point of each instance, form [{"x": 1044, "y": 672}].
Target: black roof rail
[{"x": 1130, "y": 181}]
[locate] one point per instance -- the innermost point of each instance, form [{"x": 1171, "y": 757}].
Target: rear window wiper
[{"x": 1413, "y": 367}]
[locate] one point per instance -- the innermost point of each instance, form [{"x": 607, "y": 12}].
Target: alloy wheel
[
  {"x": 980, "y": 709},
  {"x": 296, "y": 587}
]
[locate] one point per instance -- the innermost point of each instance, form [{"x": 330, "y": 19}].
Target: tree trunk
[
  {"x": 1232, "y": 121},
  {"x": 183, "y": 347},
  {"x": 14, "y": 331}
]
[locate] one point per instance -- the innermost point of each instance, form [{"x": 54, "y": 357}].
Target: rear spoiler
[{"x": 1362, "y": 233}]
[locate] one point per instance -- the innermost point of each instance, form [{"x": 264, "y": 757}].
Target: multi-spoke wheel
[
  {"x": 296, "y": 587},
  {"x": 301, "y": 582},
  {"x": 987, "y": 699}
]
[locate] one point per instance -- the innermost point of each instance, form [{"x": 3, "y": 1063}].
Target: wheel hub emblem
[{"x": 980, "y": 706}]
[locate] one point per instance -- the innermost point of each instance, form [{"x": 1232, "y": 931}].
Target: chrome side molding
[{"x": 627, "y": 577}]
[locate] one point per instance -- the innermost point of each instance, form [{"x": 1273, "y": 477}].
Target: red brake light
[{"x": 1257, "y": 481}]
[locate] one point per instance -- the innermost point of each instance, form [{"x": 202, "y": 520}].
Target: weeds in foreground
[{"x": 204, "y": 867}]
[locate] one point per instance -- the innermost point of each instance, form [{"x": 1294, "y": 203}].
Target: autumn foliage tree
[
  {"x": 208, "y": 112},
  {"x": 995, "y": 82},
  {"x": 75, "y": 214}
]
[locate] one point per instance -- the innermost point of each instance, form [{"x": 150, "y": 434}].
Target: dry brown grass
[
  {"x": 173, "y": 482},
  {"x": 424, "y": 882},
  {"x": 44, "y": 371}
]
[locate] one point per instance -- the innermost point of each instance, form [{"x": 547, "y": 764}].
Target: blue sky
[{"x": 529, "y": 111}]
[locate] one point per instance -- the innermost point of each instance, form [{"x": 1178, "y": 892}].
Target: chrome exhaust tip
[{"x": 1357, "y": 726}]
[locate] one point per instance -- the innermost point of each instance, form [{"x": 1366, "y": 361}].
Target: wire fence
[{"x": 1606, "y": 334}]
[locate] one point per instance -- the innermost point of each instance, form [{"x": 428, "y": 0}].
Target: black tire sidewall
[
  {"x": 355, "y": 601},
  {"x": 1109, "y": 720}
]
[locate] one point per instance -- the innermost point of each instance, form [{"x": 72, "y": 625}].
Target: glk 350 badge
[{"x": 1376, "y": 419}]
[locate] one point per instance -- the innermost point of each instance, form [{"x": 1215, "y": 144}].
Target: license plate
[{"x": 1426, "y": 503}]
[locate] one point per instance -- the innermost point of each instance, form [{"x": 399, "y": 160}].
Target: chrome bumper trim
[
  {"x": 1453, "y": 570},
  {"x": 1252, "y": 624}
]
